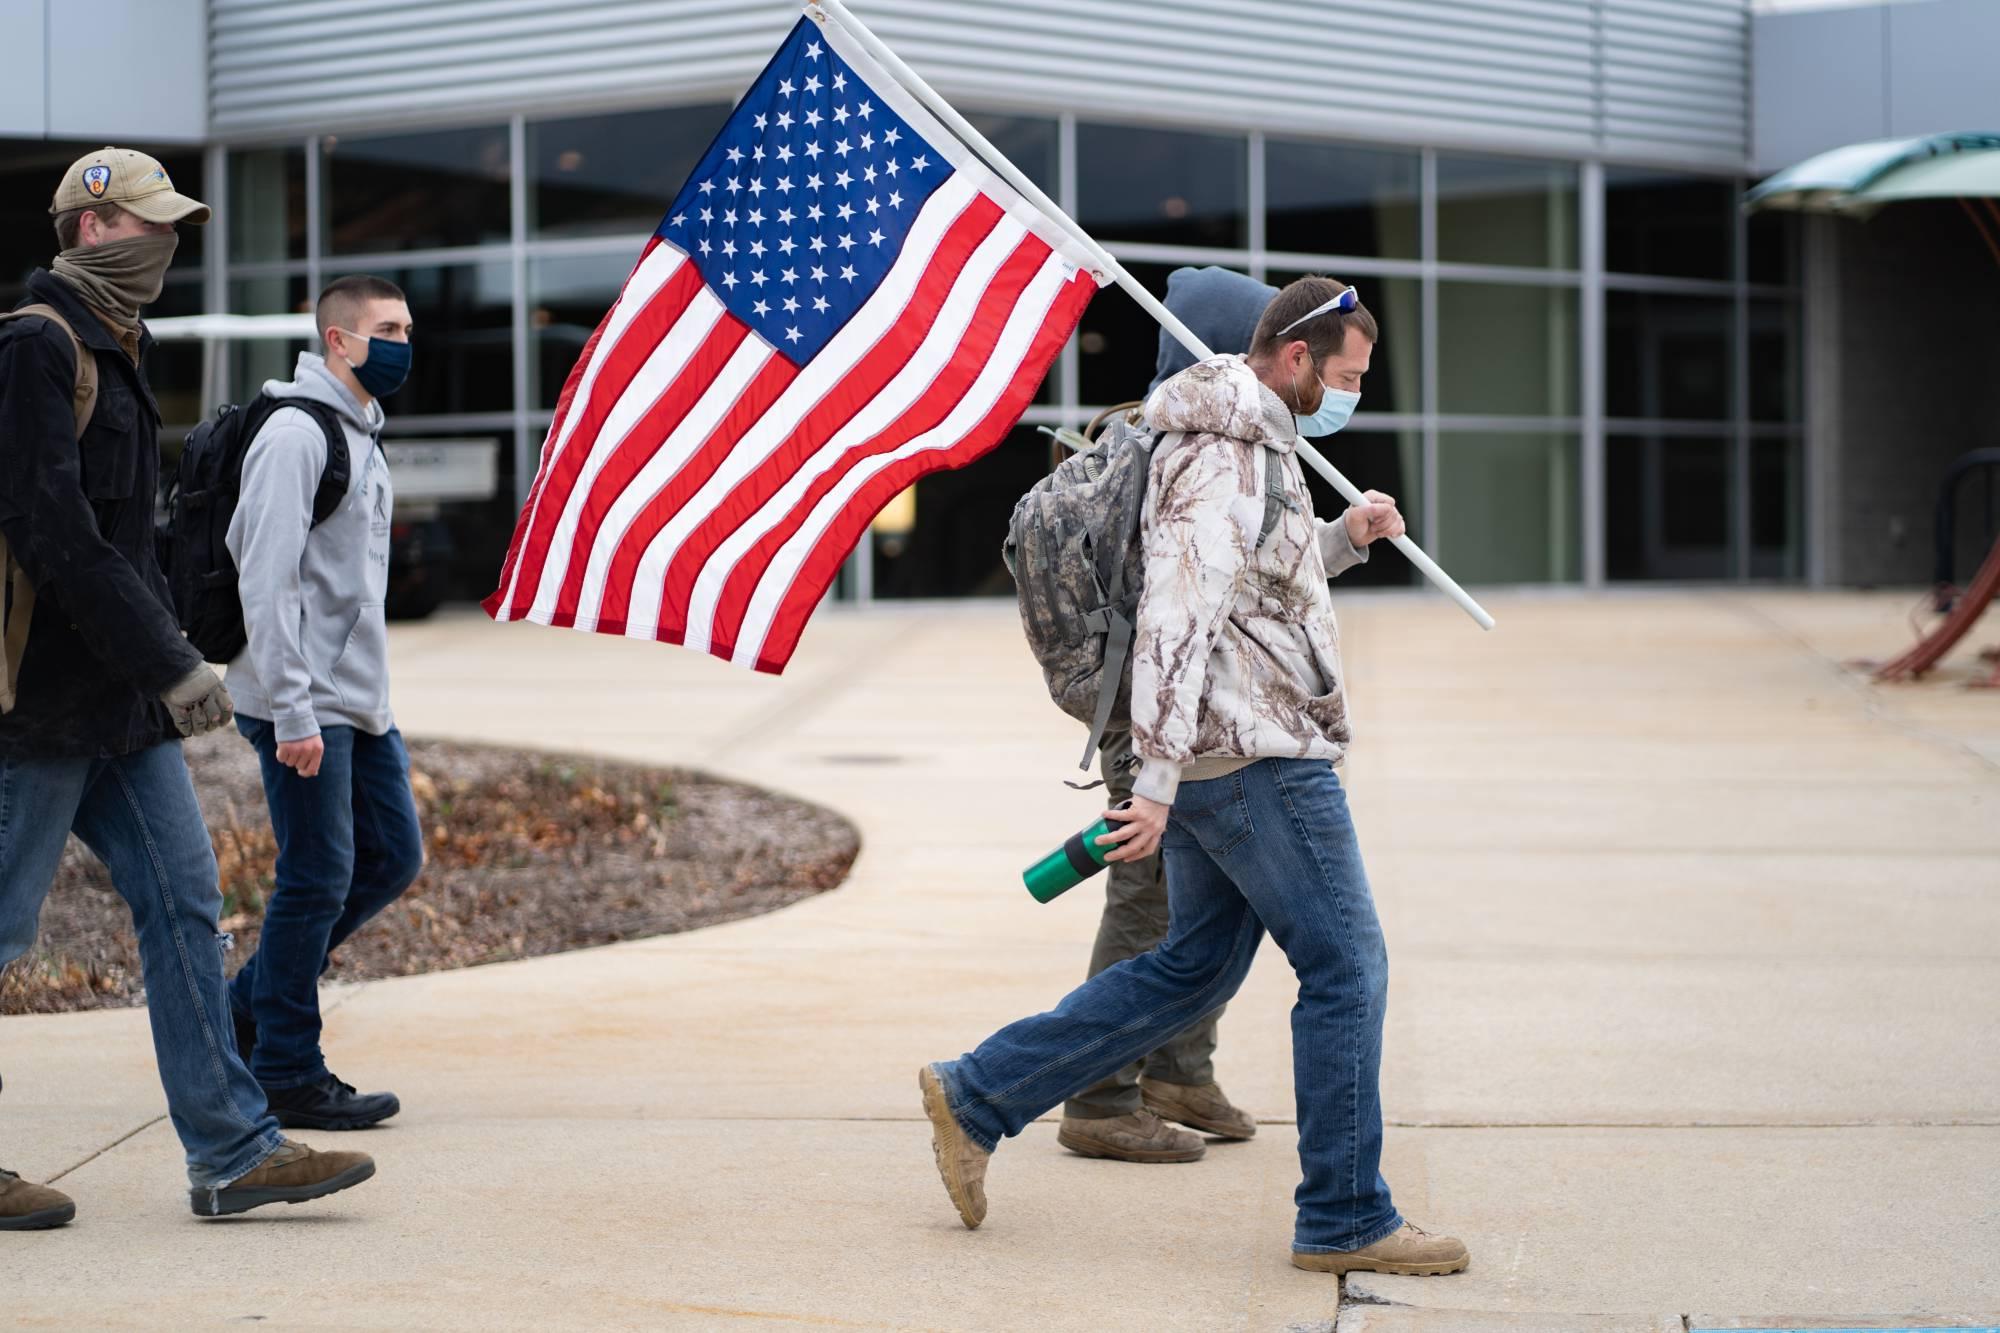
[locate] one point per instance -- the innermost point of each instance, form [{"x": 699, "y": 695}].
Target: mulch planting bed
[{"x": 529, "y": 854}]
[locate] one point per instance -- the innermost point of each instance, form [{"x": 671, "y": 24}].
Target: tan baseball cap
[{"x": 136, "y": 183}]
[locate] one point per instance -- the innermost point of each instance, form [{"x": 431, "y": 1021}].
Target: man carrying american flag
[{"x": 841, "y": 300}]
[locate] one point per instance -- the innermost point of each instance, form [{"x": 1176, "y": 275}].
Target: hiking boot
[
  {"x": 327, "y": 1103},
  {"x": 1411, "y": 1250},
  {"x": 293, "y": 1174},
  {"x": 1198, "y": 1106},
  {"x": 1138, "y": 1137},
  {"x": 961, "y": 1163},
  {"x": 25, "y": 1206},
  {"x": 246, "y": 1034}
]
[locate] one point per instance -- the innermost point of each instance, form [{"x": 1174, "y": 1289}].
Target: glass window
[
  {"x": 1777, "y": 509},
  {"x": 1397, "y": 362},
  {"x": 455, "y": 512},
  {"x": 29, "y": 173},
  {"x": 613, "y": 174},
  {"x": 1667, "y": 506},
  {"x": 1507, "y": 350},
  {"x": 1495, "y": 210},
  {"x": 1332, "y": 199},
  {"x": 463, "y": 356},
  {"x": 1118, "y": 343},
  {"x": 174, "y": 369},
  {"x": 1375, "y": 460},
  {"x": 942, "y": 538},
  {"x": 415, "y": 191},
  {"x": 267, "y": 204},
  {"x": 1163, "y": 187},
  {"x": 567, "y": 298},
  {"x": 252, "y": 361},
  {"x": 1774, "y": 248},
  {"x": 1669, "y": 226},
  {"x": 1508, "y": 507},
  {"x": 30, "y": 170},
  {"x": 1669, "y": 357},
  {"x": 1029, "y": 142},
  {"x": 1774, "y": 361}
]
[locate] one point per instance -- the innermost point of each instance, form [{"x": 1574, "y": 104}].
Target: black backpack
[{"x": 202, "y": 501}]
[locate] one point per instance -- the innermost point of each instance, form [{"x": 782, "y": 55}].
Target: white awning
[{"x": 200, "y": 328}]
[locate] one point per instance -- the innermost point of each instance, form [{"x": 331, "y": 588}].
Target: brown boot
[
  {"x": 1411, "y": 1250},
  {"x": 1204, "y": 1107},
  {"x": 293, "y": 1174},
  {"x": 960, "y": 1162},
  {"x": 29, "y": 1207},
  {"x": 1138, "y": 1137}
]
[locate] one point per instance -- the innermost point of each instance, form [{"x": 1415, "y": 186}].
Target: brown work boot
[
  {"x": 1198, "y": 1106},
  {"x": 25, "y": 1206},
  {"x": 293, "y": 1174},
  {"x": 1411, "y": 1250},
  {"x": 1138, "y": 1137},
  {"x": 960, "y": 1162}
]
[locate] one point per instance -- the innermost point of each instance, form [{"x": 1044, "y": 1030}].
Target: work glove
[{"x": 199, "y": 702}]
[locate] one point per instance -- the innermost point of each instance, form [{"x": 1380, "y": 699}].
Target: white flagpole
[{"x": 1012, "y": 175}]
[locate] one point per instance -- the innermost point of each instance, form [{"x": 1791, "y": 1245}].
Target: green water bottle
[{"x": 1070, "y": 864}]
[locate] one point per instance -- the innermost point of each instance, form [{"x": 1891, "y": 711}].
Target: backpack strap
[
  {"x": 339, "y": 467},
  {"x": 1117, "y": 618},
  {"x": 83, "y": 398},
  {"x": 17, "y": 591},
  {"x": 1274, "y": 493}
]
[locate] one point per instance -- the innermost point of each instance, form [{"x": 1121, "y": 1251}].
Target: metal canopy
[{"x": 1862, "y": 177}]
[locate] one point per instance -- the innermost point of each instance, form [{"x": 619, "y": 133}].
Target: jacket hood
[
  {"x": 311, "y": 379},
  {"x": 1223, "y": 396}
]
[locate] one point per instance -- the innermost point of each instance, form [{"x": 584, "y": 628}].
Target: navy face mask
[{"x": 387, "y": 366}]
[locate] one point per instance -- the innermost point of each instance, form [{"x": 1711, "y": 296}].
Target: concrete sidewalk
[{"x": 1695, "y": 1011}]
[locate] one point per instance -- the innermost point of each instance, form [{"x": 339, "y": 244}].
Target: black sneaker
[{"x": 327, "y": 1103}]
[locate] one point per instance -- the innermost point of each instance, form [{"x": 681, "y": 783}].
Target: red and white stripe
[{"x": 696, "y": 487}]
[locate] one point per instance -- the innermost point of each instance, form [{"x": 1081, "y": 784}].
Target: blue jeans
[
  {"x": 1270, "y": 847},
  {"x": 348, "y": 845},
  {"x": 138, "y": 813}
]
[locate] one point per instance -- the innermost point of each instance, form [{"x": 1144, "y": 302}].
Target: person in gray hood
[{"x": 312, "y": 697}]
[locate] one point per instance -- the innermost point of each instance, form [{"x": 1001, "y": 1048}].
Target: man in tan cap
[{"x": 99, "y": 685}]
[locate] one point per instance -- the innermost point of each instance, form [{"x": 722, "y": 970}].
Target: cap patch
[{"x": 97, "y": 179}]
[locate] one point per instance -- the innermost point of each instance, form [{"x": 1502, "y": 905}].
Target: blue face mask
[
  {"x": 1335, "y": 407},
  {"x": 387, "y": 366}
]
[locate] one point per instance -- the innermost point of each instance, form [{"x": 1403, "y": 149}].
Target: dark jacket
[{"x": 79, "y": 517}]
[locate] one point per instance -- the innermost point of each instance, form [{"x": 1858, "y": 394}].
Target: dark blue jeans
[
  {"x": 139, "y": 815},
  {"x": 1270, "y": 847},
  {"x": 348, "y": 845}
]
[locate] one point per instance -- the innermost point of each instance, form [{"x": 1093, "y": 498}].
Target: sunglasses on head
[{"x": 1346, "y": 301}]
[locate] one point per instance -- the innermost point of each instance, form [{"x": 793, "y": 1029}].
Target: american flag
[{"x": 841, "y": 300}]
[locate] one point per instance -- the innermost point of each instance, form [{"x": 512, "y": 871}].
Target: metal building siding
[
  {"x": 1677, "y": 72},
  {"x": 1659, "y": 78}
]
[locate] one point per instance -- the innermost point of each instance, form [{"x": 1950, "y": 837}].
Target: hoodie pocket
[{"x": 359, "y": 672}]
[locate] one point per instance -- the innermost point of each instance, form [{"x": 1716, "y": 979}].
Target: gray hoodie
[{"x": 312, "y": 597}]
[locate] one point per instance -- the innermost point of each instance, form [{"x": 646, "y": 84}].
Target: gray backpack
[{"x": 1074, "y": 549}]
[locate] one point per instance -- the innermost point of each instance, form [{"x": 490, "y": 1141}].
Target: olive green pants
[{"x": 1135, "y": 921}]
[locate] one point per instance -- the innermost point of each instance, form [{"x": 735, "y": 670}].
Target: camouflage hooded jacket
[{"x": 1237, "y": 656}]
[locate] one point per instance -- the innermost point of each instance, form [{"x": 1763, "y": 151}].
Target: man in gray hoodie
[{"x": 312, "y": 696}]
